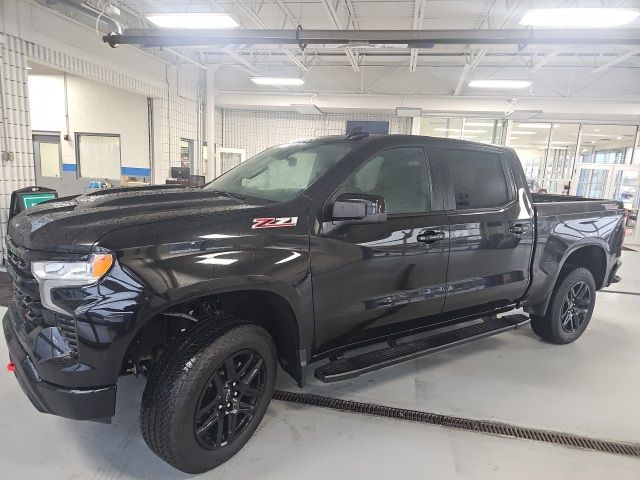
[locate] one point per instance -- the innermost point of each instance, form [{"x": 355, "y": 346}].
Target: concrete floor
[{"x": 590, "y": 387}]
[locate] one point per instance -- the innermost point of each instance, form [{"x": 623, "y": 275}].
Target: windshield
[{"x": 281, "y": 173}]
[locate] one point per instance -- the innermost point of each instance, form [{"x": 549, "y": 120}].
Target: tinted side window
[
  {"x": 478, "y": 179},
  {"x": 399, "y": 175}
]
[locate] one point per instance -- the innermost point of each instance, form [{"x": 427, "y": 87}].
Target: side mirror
[{"x": 358, "y": 208}]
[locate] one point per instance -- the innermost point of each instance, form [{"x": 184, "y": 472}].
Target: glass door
[
  {"x": 626, "y": 188},
  {"x": 591, "y": 181}
]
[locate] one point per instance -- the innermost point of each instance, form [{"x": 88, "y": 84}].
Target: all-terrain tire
[
  {"x": 177, "y": 382},
  {"x": 558, "y": 327}
]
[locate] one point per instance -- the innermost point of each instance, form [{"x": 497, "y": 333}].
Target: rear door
[
  {"x": 372, "y": 280},
  {"x": 491, "y": 231}
]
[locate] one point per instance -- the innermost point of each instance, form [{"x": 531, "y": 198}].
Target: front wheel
[
  {"x": 208, "y": 393},
  {"x": 569, "y": 310}
]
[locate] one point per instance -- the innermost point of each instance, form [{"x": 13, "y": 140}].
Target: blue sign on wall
[{"x": 368, "y": 126}]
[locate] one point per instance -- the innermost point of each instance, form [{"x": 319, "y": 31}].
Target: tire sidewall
[
  {"x": 191, "y": 454},
  {"x": 573, "y": 277}
]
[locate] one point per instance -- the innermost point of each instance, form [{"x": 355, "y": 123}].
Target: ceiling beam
[
  {"x": 287, "y": 13},
  {"x": 258, "y": 21},
  {"x": 333, "y": 16},
  {"x": 546, "y": 59},
  {"x": 352, "y": 15},
  {"x": 616, "y": 60},
  {"x": 478, "y": 58},
  {"x": 237, "y": 57},
  {"x": 419, "y": 9},
  {"x": 475, "y": 60},
  {"x": 461, "y": 79}
]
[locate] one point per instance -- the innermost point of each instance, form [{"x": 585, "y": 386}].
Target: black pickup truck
[{"x": 307, "y": 252}]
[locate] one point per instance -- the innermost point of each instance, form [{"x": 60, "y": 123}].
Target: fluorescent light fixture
[
  {"x": 192, "y": 20},
  {"x": 306, "y": 109},
  {"x": 28, "y": 67},
  {"x": 500, "y": 84},
  {"x": 279, "y": 81},
  {"x": 408, "y": 111},
  {"x": 523, "y": 133},
  {"x": 579, "y": 17}
]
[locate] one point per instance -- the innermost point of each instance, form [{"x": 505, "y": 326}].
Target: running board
[{"x": 351, "y": 367}]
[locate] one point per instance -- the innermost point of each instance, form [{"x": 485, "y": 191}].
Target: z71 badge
[{"x": 274, "y": 222}]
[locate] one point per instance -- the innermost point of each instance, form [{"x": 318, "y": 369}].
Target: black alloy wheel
[
  {"x": 208, "y": 393},
  {"x": 227, "y": 403},
  {"x": 569, "y": 309},
  {"x": 575, "y": 307}
]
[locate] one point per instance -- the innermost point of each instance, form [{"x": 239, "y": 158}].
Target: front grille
[
  {"x": 66, "y": 325},
  {"x": 27, "y": 298},
  {"x": 18, "y": 264}
]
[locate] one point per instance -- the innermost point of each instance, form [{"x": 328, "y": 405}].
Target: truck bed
[{"x": 546, "y": 205}]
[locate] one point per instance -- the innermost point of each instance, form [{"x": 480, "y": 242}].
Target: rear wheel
[
  {"x": 570, "y": 308},
  {"x": 208, "y": 393}
]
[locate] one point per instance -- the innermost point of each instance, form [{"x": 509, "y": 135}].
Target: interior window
[
  {"x": 98, "y": 155},
  {"x": 478, "y": 179},
  {"x": 49, "y": 153},
  {"x": 399, "y": 175}
]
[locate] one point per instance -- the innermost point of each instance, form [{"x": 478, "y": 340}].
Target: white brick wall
[
  {"x": 257, "y": 130},
  {"x": 18, "y": 172}
]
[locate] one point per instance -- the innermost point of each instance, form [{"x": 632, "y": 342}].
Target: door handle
[
  {"x": 430, "y": 236},
  {"x": 517, "y": 229}
]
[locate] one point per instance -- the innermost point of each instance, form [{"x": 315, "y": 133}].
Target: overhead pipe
[
  {"x": 168, "y": 37},
  {"x": 86, "y": 10}
]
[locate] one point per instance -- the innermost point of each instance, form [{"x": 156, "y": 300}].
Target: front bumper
[{"x": 76, "y": 403}]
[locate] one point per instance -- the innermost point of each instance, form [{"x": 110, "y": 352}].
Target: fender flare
[{"x": 540, "y": 309}]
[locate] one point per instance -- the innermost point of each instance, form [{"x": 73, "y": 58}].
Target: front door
[
  {"x": 48, "y": 160},
  {"x": 373, "y": 280},
  {"x": 491, "y": 232}
]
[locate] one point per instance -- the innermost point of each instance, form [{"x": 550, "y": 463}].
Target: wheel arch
[
  {"x": 592, "y": 256},
  {"x": 265, "y": 305}
]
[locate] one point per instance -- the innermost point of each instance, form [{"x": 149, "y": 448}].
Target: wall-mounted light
[{"x": 192, "y": 20}]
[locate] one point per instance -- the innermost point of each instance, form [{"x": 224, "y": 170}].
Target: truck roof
[{"x": 395, "y": 138}]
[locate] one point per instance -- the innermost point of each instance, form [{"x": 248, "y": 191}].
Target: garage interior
[{"x": 186, "y": 106}]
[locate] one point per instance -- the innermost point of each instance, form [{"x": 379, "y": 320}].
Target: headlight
[{"x": 66, "y": 274}]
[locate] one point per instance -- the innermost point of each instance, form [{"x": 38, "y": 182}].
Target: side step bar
[{"x": 351, "y": 367}]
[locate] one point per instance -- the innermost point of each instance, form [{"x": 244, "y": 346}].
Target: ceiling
[{"x": 563, "y": 71}]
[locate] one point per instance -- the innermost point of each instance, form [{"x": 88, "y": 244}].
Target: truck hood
[{"x": 74, "y": 224}]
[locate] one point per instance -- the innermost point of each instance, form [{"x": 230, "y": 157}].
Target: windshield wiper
[{"x": 233, "y": 196}]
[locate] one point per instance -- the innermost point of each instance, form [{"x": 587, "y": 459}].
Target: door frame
[
  {"x": 46, "y": 137},
  {"x": 219, "y": 151}
]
